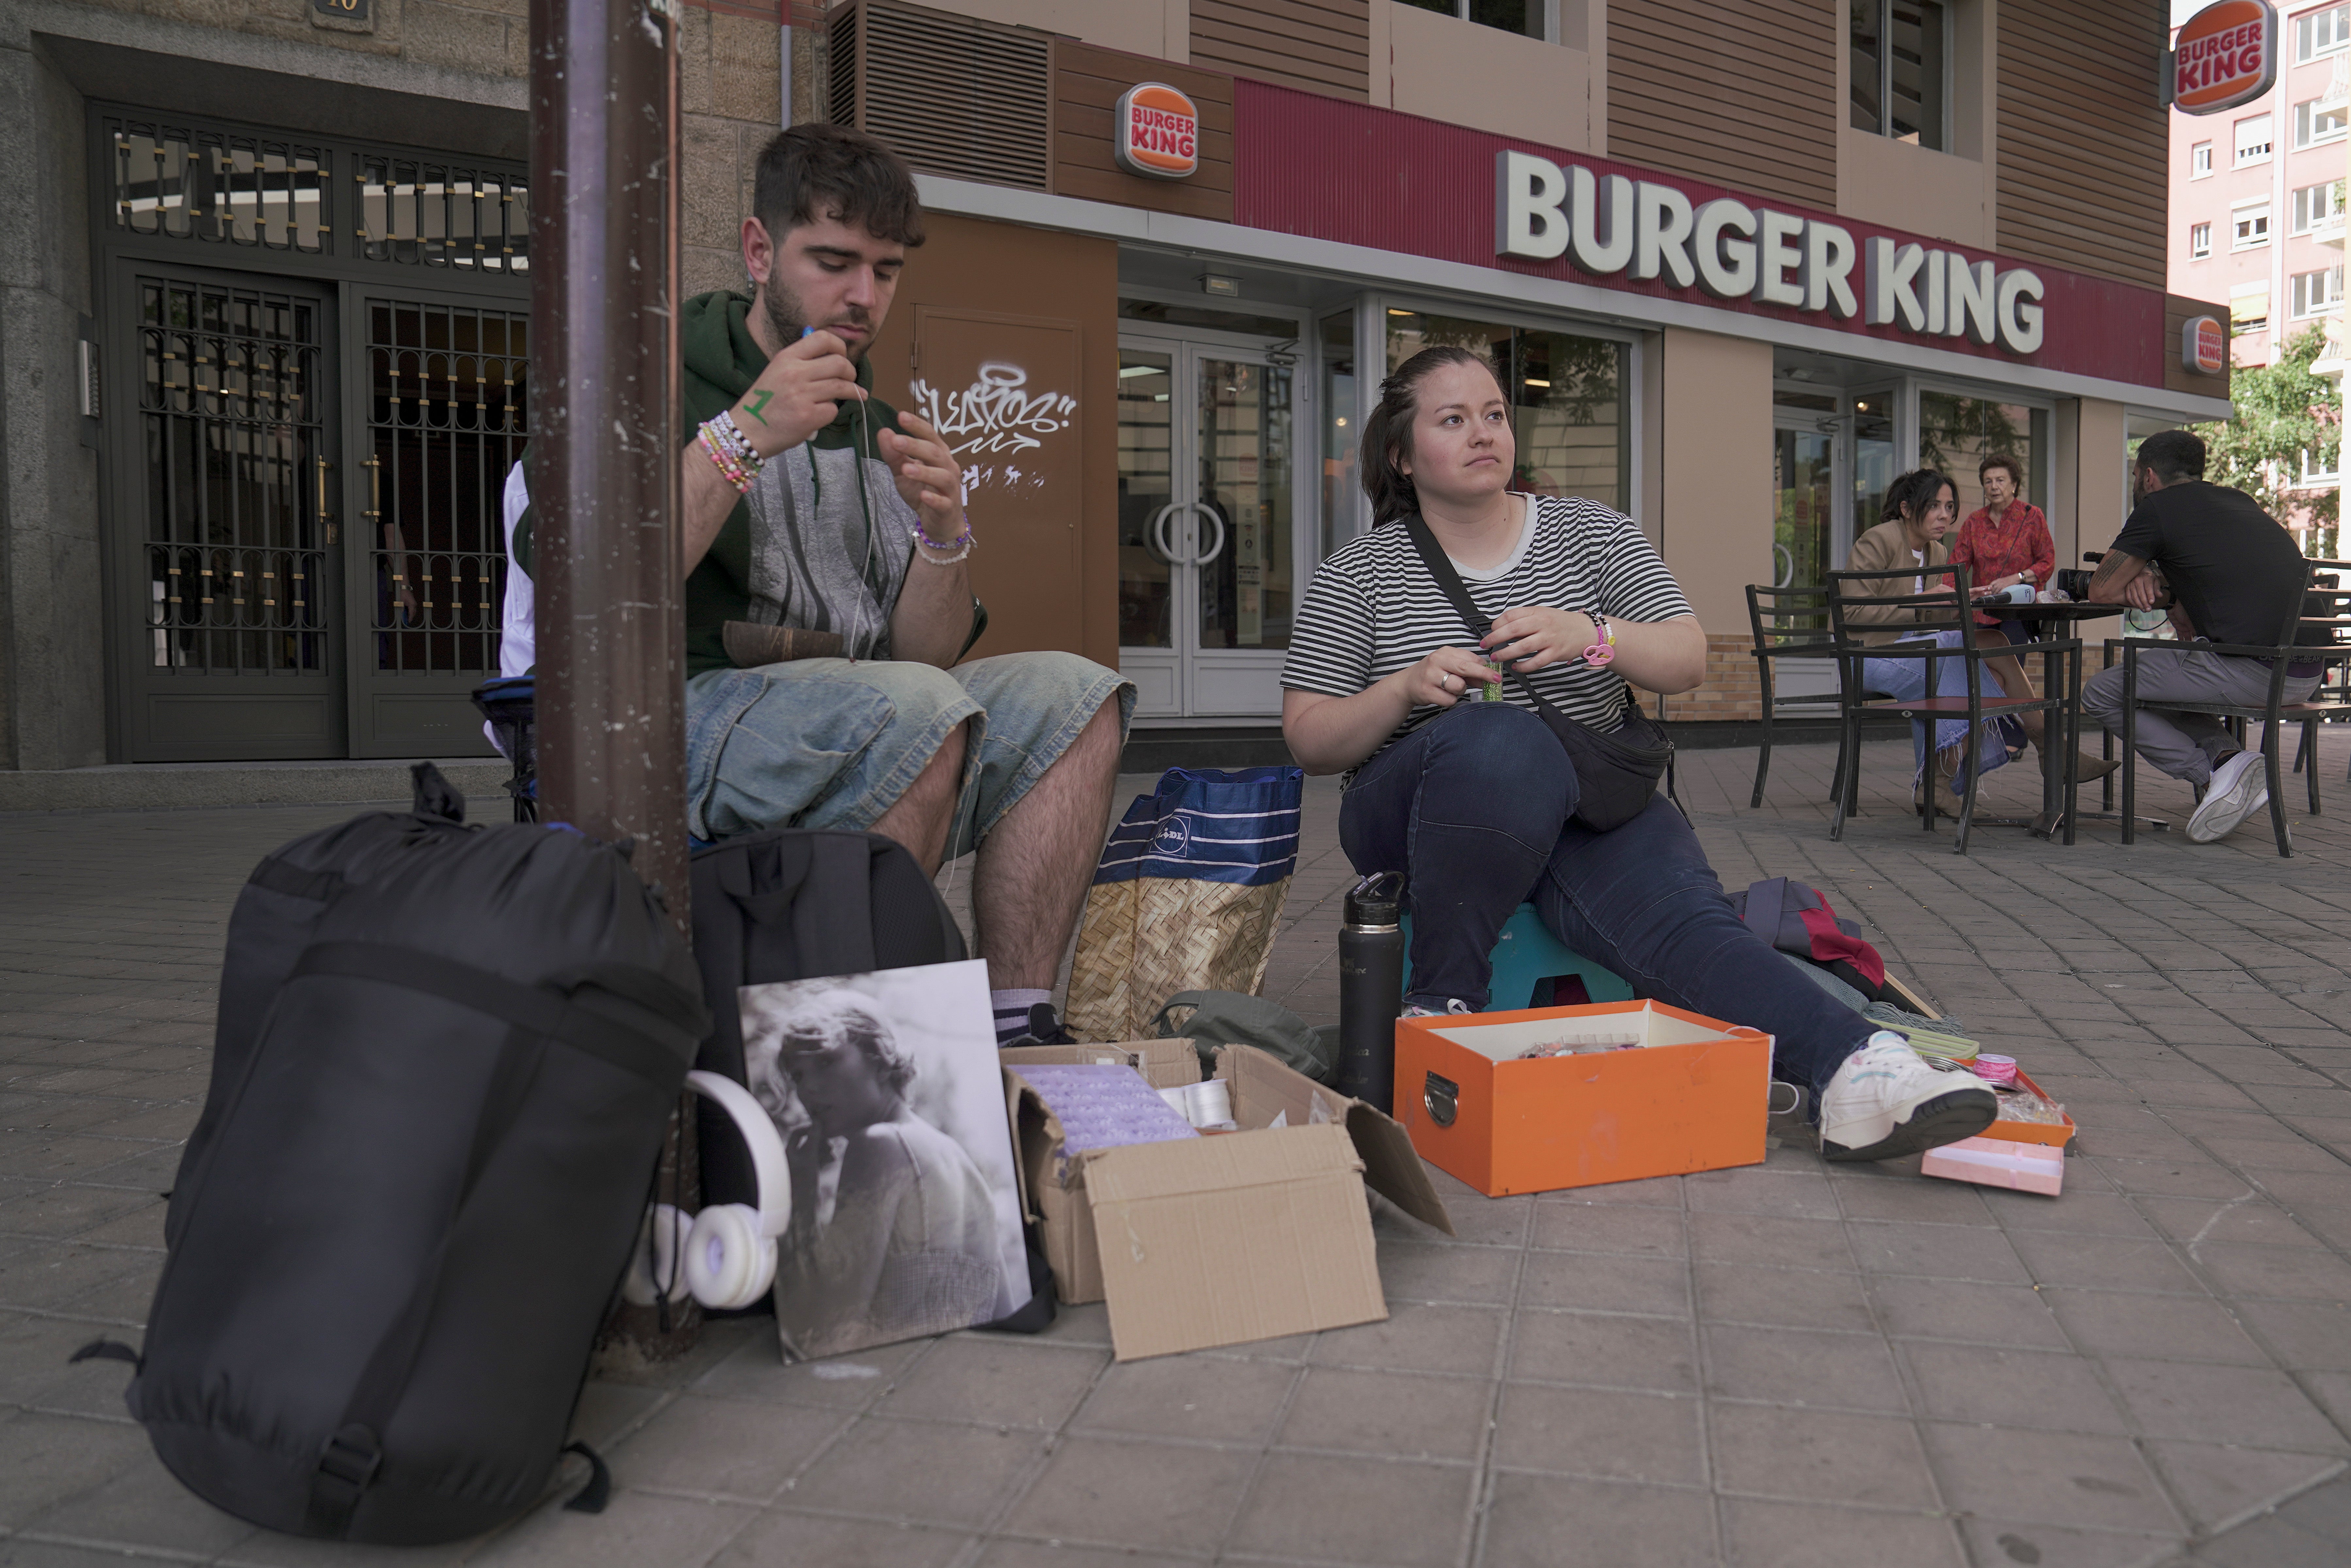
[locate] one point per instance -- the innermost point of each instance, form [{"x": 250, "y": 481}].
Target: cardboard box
[
  {"x": 1223, "y": 1238},
  {"x": 1693, "y": 1096},
  {"x": 1998, "y": 1162},
  {"x": 2034, "y": 1132}
]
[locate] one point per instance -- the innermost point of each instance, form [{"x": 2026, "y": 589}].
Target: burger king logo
[
  {"x": 2225, "y": 56},
  {"x": 2204, "y": 345},
  {"x": 1159, "y": 133}
]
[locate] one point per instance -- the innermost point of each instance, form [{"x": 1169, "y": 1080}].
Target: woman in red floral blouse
[{"x": 2005, "y": 542}]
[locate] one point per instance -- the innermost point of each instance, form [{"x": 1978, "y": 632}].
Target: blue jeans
[
  {"x": 1907, "y": 679},
  {"x": 1474, "y": 808}
]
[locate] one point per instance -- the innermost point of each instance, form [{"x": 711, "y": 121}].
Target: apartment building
[
  {"x": 266, "y": 341},
  {"x": 2257, "y": 190}
]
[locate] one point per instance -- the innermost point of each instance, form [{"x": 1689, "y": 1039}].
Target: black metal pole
[{"x": 604, "y": 480}]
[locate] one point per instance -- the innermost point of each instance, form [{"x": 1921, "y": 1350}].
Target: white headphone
[{"x": 728, "y": 1250}]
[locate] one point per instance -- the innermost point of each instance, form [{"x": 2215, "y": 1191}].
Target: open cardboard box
[
  {"x": 1693, "y": 1096},
  {"x": 1224, "y": 1238}
]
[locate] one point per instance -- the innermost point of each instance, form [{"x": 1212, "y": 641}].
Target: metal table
[{"x": 2074, "y": 614}]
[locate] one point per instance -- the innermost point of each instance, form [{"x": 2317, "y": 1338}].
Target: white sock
[{"x": 1011, "y": 1010}]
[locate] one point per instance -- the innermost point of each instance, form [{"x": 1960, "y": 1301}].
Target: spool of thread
[
  {"x": 1996, "y": 1070},
  {"x": 1206, "y": 1104}
]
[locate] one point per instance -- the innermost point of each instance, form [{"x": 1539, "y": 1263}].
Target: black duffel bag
[
  {"x": 1616, "y": 771},
  {"x": 445, "y": 1060}
]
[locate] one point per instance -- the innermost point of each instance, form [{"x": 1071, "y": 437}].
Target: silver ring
[{"x": 1449, "y": 684}]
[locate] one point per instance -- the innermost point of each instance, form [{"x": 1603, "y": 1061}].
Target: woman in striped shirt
[{"x": 1474, "y": 800}]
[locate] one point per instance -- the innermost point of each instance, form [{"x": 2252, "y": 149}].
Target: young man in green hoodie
[{"x": 811, "y": 504}]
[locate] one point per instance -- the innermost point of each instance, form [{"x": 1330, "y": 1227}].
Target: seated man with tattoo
[
  {"x": 812, "y": 505},
  {"x": 2235, "y": 576}
]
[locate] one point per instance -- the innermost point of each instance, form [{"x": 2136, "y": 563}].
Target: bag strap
[
  {"x": 1440, "y": 566},
  {"x": 534, "y": 1009}
]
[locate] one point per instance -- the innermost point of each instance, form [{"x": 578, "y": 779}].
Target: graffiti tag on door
[{"x": 990, "y": 423}]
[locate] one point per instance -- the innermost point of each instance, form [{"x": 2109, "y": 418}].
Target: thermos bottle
[{"x": 1371, "y": 988}]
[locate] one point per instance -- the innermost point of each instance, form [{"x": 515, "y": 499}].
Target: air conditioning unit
[{"x": 955, "y": 96}]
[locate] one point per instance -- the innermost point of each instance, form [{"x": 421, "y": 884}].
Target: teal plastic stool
[{"x": 1533, "y": 969}]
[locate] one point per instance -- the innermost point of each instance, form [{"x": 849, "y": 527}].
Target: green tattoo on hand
[{"x": 758, "y": 401}]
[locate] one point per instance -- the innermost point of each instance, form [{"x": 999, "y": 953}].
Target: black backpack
[
  {"x": 445, "y": 1062},
  {"x": 796, "y": 904}
]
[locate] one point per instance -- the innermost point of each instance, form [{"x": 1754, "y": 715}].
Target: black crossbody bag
[{"x": 1615, "y": 773}]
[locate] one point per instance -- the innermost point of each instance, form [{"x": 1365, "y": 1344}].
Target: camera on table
[{"x": 2073, "y": 583}]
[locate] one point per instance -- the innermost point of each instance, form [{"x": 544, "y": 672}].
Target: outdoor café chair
[
  {"x": 1789, "y": 623},
  {"x": 2325, "y": 608},
  {"x": 1945, "y": 608}
]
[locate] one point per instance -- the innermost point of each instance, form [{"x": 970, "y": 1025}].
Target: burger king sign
[
  {"x": 2225, "y": 56},
  {"x": 1159, "y": 133}
]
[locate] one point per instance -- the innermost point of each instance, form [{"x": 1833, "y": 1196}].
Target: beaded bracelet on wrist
[
  {"x": 923, "y": 544},
  {"x": 730, "y": 435},
  {"x": 730, "y": 466}
]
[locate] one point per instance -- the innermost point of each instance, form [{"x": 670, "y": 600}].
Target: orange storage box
[{"x": 1692, "y": 1095}]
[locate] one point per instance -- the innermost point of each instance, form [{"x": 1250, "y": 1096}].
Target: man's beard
[{"x": 785, "y": 316}]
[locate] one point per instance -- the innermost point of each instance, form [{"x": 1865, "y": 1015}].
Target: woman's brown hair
[{"x": 1387, "y": 434}]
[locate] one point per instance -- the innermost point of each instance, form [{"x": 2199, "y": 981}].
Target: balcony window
[
  {"x": 2254, "y": 138},
  {"x": 1901, "y": 52},
  {"x": 1524, "y": 17},
  {"x": 2316, "y": 206},
  {"x": 2318, "y": 293},
  {"x": 2317, "y": 121},
  {"x": 2317, "y": 33},
  {"x": 2249, "y": 312}
]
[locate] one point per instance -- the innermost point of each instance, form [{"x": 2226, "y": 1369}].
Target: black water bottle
[{"x": 1371, "y": 988}]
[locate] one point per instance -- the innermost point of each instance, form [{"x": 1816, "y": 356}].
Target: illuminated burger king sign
[
  {"x": 2225, "y": 56},
  {"x": 1159, "y": 133}
]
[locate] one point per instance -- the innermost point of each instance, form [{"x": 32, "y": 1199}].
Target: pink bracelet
[{"x": 1602, "y": 650}]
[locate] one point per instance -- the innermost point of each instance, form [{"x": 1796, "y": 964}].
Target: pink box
[{"x": 1997, "y": 1162}]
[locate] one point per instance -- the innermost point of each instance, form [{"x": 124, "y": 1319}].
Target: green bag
[{"x": 1229, "y": 1017}]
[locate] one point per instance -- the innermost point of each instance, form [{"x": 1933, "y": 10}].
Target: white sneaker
[
  {"x": 1885, "y": 1102},
  {"x": 2239, "y": 787},
  {"x": 1452, "y": 1005}
]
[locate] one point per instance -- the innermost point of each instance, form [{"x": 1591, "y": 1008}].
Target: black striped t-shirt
[{"x": 1372, "y": 607}]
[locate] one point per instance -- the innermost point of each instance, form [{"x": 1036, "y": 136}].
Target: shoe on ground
[
  {"x": 2239, "y": 787},
  {"x": 1452, "y": 1005},
  {"x": 2089, "y": 770},
  {"x": 1045, "y": 1028},
  {"x": 1885, "y": 1102}
]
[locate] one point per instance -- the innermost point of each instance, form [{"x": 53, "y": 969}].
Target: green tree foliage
[{"x": 2283, "y": 412}]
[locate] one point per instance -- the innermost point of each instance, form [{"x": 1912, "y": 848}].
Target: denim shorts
[{"x": 832, "y": 743}]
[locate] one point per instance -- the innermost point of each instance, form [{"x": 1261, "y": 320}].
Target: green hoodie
[{"x": 722, "y": 360}]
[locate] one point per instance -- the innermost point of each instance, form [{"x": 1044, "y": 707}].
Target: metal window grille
[
  {"x": 954, "y": 96},
  {"x": 440, "y": 215},
  {"x": 218, "y": 186},
  {"x": 230, "y": 418},
  {"x": 448, "y": 417}
]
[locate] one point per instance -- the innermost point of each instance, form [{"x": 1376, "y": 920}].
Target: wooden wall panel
[
  {"x": 1321, "y": 46},
  {"x": 2083, "y": 142},
  {"x": 1087, "y": 82},
  {"x": 1743, "y": 94}
]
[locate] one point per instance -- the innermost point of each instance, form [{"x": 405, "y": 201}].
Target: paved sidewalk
[{"x": 1788, "y": 1364}]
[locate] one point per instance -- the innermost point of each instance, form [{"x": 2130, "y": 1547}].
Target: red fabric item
[
  {"x": 1829, "y": 943},
  {"x": 2018, "y": 541}
]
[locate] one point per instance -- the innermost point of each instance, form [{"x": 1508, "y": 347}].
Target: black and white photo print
[{"x": 905, "y": 1215}]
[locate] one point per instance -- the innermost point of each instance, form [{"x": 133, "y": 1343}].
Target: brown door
[
  {"x": 438, "y": 416},
  {"x": 225, "y": 561},
  {"x": 1004, "y": 392}
]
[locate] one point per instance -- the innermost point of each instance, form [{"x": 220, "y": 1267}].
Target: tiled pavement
[{"x": 1787, "y": 1364}]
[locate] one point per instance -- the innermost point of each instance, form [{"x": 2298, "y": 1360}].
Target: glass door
[{"x": 1209, "y": 560}]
